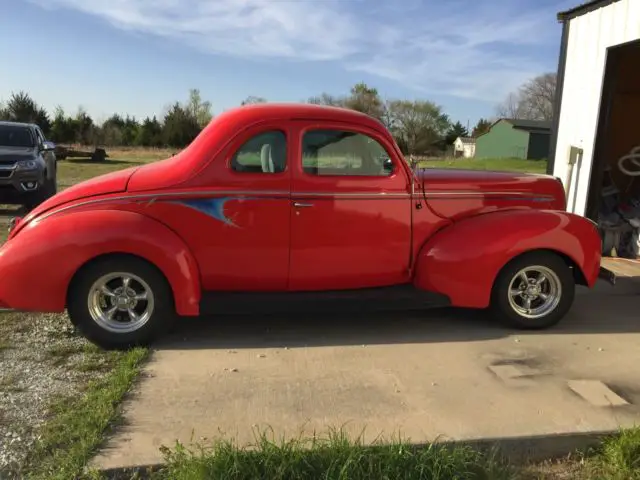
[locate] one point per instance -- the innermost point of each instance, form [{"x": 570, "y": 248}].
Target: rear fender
[
  {"x": 42, "y": 259},
  {"x": 463, "y": 260}
]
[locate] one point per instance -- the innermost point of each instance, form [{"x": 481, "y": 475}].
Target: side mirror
[{"x": 48, "y": 146}]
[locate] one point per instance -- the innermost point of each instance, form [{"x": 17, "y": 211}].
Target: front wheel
[
  {"x": 534, "y": 291},
  {"x": 120, "y": 302}
]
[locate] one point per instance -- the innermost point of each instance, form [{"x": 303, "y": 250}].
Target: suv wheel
[
  {"x": 121, "y": 302},
  {"x": 534, "y": 291}
]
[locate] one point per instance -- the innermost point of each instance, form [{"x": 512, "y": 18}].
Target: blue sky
[{"x": 138, "y": 56}]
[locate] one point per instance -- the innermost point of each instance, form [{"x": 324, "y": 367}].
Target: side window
[
  {"x": 340, "y": 152},
  {"x": 39, "y": 136},
  {"x": 263, "y": 153}
]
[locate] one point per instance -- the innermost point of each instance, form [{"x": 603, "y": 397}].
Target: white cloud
[{"x": 448, "y": 47}]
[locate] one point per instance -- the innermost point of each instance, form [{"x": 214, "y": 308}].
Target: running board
[{"x": 398, "y": 297}]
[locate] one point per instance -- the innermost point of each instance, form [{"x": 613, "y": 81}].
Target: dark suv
[{"x": 27, "y": 165}]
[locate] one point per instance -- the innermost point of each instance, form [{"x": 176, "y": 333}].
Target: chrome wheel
[
  {"x": 534, "y": 292},
  {"x": 120, "y": 302}
]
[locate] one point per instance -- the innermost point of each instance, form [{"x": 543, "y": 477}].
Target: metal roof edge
[{"x": 583, "y": 9}]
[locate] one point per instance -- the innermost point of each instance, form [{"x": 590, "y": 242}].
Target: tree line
[
  {"x": 420, "y": 127},
  {"x": 178, "y": 126}
]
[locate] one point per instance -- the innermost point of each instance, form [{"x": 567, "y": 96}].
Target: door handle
[{"x": 302, "y": 205}]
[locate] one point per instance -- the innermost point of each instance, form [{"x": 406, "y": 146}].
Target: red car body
[{"x": 210, "y": 229}]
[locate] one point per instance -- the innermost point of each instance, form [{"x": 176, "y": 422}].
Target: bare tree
[
  {"x": 387, "y": 117},
  {"x": 328, "y": 99},
  {"x": 538, "y": 97},
  {"x": 534, "y": 100},
  {"x": 252, "y": 100},
  {"x": 511, "y": 107}
]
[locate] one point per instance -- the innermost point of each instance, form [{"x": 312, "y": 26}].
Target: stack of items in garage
[{"x": 619, "y": 221}]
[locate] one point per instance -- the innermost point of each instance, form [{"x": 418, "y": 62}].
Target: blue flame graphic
[{"x": 213, "y": 207}]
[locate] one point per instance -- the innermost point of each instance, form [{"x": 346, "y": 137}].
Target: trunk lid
[{"x": 458, "y": 193}]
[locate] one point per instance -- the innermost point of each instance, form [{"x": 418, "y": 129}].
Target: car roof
[{"x": 298, "y": 111}]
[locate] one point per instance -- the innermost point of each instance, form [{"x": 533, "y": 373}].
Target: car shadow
[{"x": 604, "y": 311}]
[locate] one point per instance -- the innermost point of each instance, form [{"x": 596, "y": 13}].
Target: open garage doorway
[{"x": 614, "y": 187}]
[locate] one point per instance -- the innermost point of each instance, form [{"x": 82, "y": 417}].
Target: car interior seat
[
  {"x": 273, "y": 156},
  {"x": 265, "y": 158}
]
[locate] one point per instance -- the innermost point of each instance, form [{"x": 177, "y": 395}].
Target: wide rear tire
[
  {"x": 533, "y": 291},
  {"x": 121, "y": 302}
]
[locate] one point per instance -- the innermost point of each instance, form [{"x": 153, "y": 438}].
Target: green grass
[
  {"x": 338, "y": 457},
  {"x": 618, "y": 458},
  {"x": 334, "y": 457},
  {"x": 78, "y": 426},
  {"x": 74, "y": 170}
]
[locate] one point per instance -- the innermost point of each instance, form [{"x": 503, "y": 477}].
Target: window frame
[{"x": 40, "y": 136}]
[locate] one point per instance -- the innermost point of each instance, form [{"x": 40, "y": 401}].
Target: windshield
[{"x": 16, "y": 136}]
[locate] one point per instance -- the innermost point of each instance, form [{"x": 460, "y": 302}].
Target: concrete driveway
[{"x": 448, "y": 374}]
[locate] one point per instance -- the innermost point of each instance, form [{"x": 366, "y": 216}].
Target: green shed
[{"x": 511, "y": 138}]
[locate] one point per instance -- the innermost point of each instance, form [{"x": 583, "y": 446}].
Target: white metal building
[
  {"x": 595, "y": 139},
  {"x": 598, "y": 93}
]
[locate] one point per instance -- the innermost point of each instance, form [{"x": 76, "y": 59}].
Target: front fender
[
  {"x": 463, "y": 260},
  {"x": 37, "y": 265}
]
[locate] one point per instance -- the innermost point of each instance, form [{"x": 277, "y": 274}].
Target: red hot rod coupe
[{"x": 276, "y": 205}]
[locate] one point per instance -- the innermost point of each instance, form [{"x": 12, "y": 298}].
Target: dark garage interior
[{"x": 614, "y": 188}]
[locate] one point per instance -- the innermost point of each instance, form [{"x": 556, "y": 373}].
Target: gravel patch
[{"x": 42, "y": 360}]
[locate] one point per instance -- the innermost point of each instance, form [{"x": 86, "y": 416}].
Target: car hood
[
  {"x": 115, "y": 182},
  {"x": 14, "y": 154}
]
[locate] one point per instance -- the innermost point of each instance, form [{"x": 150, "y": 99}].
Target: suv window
[
  {"x": 341, "y": 152},
  {"x": 40, "y": 135},
  {"x": 263, "y": 153}
]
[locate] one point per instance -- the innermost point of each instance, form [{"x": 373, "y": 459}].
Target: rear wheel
[
  {"x": 534, "y": 291},
  {"x": 121, "y": 302}
]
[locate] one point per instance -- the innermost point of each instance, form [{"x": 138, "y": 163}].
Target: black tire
[
  {"x": 162, "y": 312},
  {"x": 50, "y": 187},
  {"x": 559, "y": 273}
]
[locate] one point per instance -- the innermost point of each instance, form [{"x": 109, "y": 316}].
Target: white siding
[
  {"x": 589, "y": 37},
  {"x": 469, "y": 150}
]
